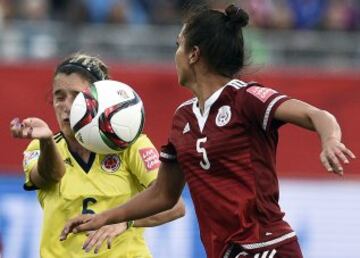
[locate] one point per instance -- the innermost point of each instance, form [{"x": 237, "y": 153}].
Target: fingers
[
  {"x": 21, "y": 129},
  {"x": 325, "y": 163},
  {"x": 333, "y": 157},
  {"x": 349, "y": 153},
  {"x": 96, "y": 239},
  {"x": 28, "y": 127},
  {"x": 100, "y": 241},
  {"x": 15, "y": 122},
  {"x": 28, "y": 122},
  {"x": 16, "y": 127},
  {"x": 105, "y": 233},
  {"x": 109, "y": 241},
  {"x": 71, "y": 226},
  {"x": 84, "y": 226}
]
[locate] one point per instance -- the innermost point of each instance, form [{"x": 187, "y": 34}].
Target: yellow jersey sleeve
[
  {"x": 143, "y": 160},
  {"x": 31, "y": 156}
]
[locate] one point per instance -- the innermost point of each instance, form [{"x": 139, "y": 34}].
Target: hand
[
  {"x": 332, "y": 153},
  {"x": 30, "y": 128},
  {"x": 82, "y": 223},
  {"x": 106, "y": 233}
]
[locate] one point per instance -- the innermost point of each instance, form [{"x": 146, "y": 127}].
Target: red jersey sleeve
[{"x": 258, "y": 105}]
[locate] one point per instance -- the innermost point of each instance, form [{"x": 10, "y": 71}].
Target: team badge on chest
[
  {"x": 223, "y": 116},
  {"x": 110, "y": 163}
]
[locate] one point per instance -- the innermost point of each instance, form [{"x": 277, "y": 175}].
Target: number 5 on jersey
[{"x": 204, "y": 163}]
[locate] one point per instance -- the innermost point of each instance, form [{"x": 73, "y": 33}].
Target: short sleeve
[
  {"x": 259, "y": 104},
  {"x": 143, "y": 160},
  {"x": 31, "y": 156}
]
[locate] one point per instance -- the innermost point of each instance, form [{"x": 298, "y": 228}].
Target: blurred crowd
[{"x": 277, "y": 14}]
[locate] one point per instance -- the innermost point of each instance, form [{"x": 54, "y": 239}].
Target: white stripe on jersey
[
  {"x": 237, "y": 84},
  {"x": 268, "y": 110},
  {"x": 269, "y": 243},
  {"x": 167, "y": 156},
  {"x": 264, "y": 254},
  {"x": 188, "y": 102},
  {"x": 272, "y": 254},
  {"x": 228, "y": 251}
]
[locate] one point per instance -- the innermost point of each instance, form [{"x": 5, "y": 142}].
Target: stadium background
[{"x": 306, "y": 49}]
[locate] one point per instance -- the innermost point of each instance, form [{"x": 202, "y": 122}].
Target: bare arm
[
  {"x": 50, "y": 167},
  {"x": 159, "y": 197},
  {"x": 163, "y": 217},
  {"x": 326, "y": 126}
]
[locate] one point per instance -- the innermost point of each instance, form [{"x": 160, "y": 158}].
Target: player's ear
[{"x": 194, "y": 55}]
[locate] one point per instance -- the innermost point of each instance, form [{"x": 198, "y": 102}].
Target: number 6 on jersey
[{"x": 204, "y": 163}]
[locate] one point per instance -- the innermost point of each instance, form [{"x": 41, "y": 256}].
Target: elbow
[
  {"x": 175, "y": 211},
  {"x": 57, "y": 178},
  {"x": 322, "y": 113},
  {"x": 176, "y": 207},
  {"x": 180, "y": 208},
  {"x": 316, "y": 116}
]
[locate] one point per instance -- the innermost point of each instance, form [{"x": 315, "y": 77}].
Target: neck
[
  {"x": 205, "y": 85},
  {"x": 76, "y": 147}
]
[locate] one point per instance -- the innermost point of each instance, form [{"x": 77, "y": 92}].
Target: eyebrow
[
  {"x": 58, "y": 92},
  {"x": 62, "y": 91}
]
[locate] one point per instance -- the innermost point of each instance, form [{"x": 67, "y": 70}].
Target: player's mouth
[{"x": 66, "y": 120}]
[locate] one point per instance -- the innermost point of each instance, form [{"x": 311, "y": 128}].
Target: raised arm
[
  {"x": 159, "y": 197},
  {"x": 302, "y": 114},
  {"x": 50, "y": 166}
]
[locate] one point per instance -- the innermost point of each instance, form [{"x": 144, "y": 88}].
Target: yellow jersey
[{"x": 104, "y": 182}]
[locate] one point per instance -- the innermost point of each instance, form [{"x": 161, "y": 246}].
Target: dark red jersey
[{"x": 227, "y": 154}]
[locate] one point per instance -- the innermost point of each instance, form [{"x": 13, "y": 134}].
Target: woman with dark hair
[
  {"x": 223, "y": 144},
  {"x": 71, "y": 180}
]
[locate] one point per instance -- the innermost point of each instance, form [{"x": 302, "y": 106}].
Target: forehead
[{"x": 71, "y": 82}]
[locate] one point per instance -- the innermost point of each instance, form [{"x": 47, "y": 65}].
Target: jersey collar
[{"x": 202, "y": 117}]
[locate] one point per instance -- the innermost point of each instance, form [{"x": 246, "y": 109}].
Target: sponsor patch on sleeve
[
  {"x": 261, "y": 93},
  {"x": 150, "y": 157},
  {"x": 30, "y": 155}
]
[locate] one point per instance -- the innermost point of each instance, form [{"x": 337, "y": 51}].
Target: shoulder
[
  {"x": 236, "y": 88},
  {"x": 143, "y": 141},
  {"x": 186, "y": 104},
  {"x": 241, "y": 90}
]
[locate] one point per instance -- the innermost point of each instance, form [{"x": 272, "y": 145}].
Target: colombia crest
[{"x": 110, "y": 163}]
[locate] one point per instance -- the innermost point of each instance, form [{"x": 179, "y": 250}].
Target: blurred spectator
[
  {"x": 269, "y": 13},
  {"x": 72, "y": 11},
  {"x": 104, "y": 11},
  {"x": 308, "y": 14},
  {"x": 343, "y": 15},
  {"x": 33, "y": 10},
  {"x": 164, "y": 11},
  {"x": 6, "y": 11},
  {"x": 278, "y": 14}
]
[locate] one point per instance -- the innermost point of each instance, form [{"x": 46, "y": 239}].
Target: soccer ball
[{"x": 107, "y": 117}]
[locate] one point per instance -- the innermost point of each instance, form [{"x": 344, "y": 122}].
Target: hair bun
[{"x": 237, "y": 15}]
